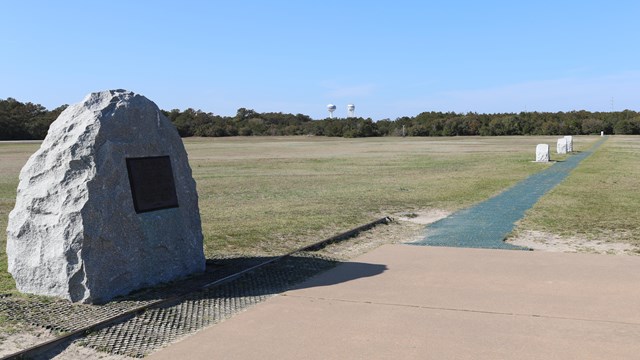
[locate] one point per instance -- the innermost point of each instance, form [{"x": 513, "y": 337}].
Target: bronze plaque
[{"x": 152, "y": 184}]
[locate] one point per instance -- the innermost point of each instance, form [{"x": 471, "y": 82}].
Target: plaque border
[{"x": 133, "y": 191}]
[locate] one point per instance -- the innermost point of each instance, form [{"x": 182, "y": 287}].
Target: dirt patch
[
  {"x": 542, "y": 241},
  {"x": 13, "y": 340},
  {"x": 423, "y": 217},
  {"x": 75, "y": 352},
  {"x": 392, "y": 233},
  {"x": 406, "y": 227}
]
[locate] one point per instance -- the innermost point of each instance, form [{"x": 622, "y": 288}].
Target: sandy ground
[
  {"x": 407, "y": 227},
  {"x": 13, "y": 340},
  {"x": 536, "y": 240},
  {"x": 541, "y": 241},
  {"x": 423, "y": 217},
  {"x": 31, "y": 336}
]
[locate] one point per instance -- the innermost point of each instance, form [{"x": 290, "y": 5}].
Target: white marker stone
[
  {"x": 569, "y": 139},
  {"x": 561, "y": 148},
  {"x": 542, "y": 153},
  {"x": 107, "y": 204}
]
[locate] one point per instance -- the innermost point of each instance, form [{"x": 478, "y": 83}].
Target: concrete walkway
[{"x": 441, "y": 303}]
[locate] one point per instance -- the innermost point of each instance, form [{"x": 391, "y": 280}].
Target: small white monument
[
  {"x": 561, "y": 148},
  {"x": 542, "y": 153},
  {"x": 601, "y": 133},
  {"x": 569, "y": 140}
]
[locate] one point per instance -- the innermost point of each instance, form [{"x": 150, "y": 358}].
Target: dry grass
[
  {"x": 12, "y": 157},
  {"x": 270, "y": 195},
  {"x": 600, "y": 200}
]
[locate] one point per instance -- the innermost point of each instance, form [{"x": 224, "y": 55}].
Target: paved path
[
  {"x": 487, "y": 224},
  {"x": 441, "y": 303},
  {"x": 408, "y": 302}
]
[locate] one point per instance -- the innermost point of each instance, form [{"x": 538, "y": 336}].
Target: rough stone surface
[
  {"x": 74, "y": 232},
  {"x": 569, "y": 140},
  {"x": 542, "y": 153},
  {"x": 561, "y": 148}
]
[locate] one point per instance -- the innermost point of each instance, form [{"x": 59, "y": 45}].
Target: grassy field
[
  {"x": 269, "y": 195},
  {"x": 263, "y": 196},
  {"x": 600, "y": 200}
]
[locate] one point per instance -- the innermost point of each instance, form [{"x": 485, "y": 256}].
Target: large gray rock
[{"x": 75, "y": 233}]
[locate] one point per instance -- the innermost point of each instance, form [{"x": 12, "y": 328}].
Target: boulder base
[{"x": 75, "y": 232}]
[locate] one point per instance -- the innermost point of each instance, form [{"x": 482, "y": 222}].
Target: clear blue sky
[{"x": 389, "y": 58}]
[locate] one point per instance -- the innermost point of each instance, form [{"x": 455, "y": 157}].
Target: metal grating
[{"x": 157, "y": 327}]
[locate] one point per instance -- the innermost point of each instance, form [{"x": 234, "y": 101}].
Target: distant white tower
[
  {"x": 331, "y": 109},
  {"x": 351, "y": 110}
]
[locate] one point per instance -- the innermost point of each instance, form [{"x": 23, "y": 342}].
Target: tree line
[
  {"x": 25, "y": 121},
  {"x": 28, "y": 121}
]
